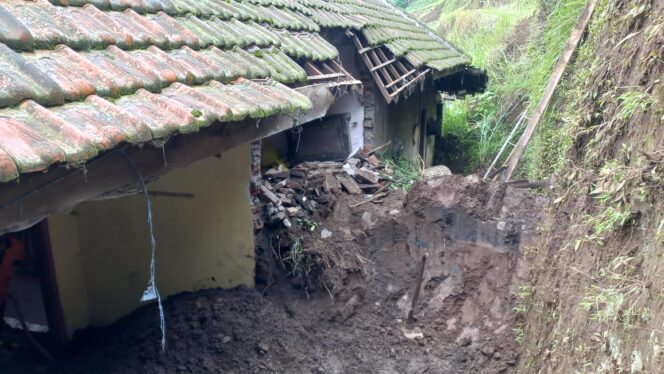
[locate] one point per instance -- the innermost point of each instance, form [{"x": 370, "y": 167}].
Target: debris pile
[{"x": 311, "y": 187}]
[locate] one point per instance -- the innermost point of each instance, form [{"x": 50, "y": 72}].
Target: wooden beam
[
  {"x": 414, "y": 81},
  {"x": 325, "y": 76},
  {"x": 402, "y": 77},
  {"x": 390, "y": 68},
  {"x": 377, "y": 79},
  {"x": 384, "y": 64},
  {"x": 557, "y": 74}
]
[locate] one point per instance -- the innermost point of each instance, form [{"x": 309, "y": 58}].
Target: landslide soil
[{"x": 472, "y": 234}]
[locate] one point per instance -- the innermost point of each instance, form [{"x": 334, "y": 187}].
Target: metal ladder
[{"x": 492, "y": 169}]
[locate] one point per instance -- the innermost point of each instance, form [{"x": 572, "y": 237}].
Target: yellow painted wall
[{"x": 102, "y": 254}]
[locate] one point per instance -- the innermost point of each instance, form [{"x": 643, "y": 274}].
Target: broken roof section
[{"x": 80, "y": 77}]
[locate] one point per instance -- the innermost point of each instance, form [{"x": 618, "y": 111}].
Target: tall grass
[{"x": 516, "y": 80}]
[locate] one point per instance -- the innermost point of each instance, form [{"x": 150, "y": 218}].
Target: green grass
[
  {"x": 516, "y": 80},
  {"x": 405, "y": 173}
]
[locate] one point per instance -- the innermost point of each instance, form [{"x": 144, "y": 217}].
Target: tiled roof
[{"x": 78, "y": 77}]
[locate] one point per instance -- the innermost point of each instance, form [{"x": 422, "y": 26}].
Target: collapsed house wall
[
  {"x": 402, "y": 123},
  {"x": 351, "y": 104},
  {"x": 101, "y": 249}
]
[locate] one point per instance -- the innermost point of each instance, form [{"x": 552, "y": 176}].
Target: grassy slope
[
  {"x": 595, "y": 300},
  {"x": 518, "y": 44}
]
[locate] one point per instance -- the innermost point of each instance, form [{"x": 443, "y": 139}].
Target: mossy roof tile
[{"x": 84, "y": 76}]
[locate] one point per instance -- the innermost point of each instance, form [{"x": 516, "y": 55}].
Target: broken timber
[
  {"x": 558, "y": 71},
  {"x": 393, "y": 75}
]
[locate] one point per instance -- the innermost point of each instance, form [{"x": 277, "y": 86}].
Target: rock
[
  {"x": 331, "y": 184},
  {"x": 435, "y": 172},
  {"x": 365, "y": 176},
  {"x": 287, "y": 223},
  {"x": 367, "y": 222},
  {"x": 262, "y": 348},
  {"x": 286, "y": 201},
  {"x": 373, "y": 160},
  {"x": 497, "y": 355},
  {"x": 268, "y": 195},
  {"x": 350, "y": 170},
  {"x": 325, "y": 233},
  {"x": 293, "y": 211},
  {"x": 276, "y": 218},
  {"x": 226, "y": 339},
  {"x": 354, "y": 162},
  {"x": 298, "y": 173},
  {"x": 487, "y": 350},
  {"x": 350, "y": 185}
]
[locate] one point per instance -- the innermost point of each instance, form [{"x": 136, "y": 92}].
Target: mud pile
[{"x": 471, "y": 233}]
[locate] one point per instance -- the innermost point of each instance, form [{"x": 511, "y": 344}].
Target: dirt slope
[
  {"x": 595, "y": 300},
  {"x": 472, "y": 233}
]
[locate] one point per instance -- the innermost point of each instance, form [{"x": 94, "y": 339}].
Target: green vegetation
[
  {"x": 518, "y": 43},
  {"x": 405, "y": 173}
]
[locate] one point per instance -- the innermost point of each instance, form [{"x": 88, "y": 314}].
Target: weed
[
  {"x": 633, "y": 101},
  {"x": 611, "y": 219},
  {"x": 405, "y": 173},
  {"x": 619, "y": 299},
  {"x": 523, "y": 295},
  {"x": 518, "y": 332},
  {"x": 296, "y": 259},
  {"x": 308, "y": 224}
]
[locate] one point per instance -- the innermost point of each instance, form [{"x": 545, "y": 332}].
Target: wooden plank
[
  {"x": 328, "y": 68},
  {"x": 379, "y": 82},
  {"x": 377, "y": 61},
  {"x": 366, "y": 49},
  {"x": 311, "y": 69},
  {"x": 402, "y": 78},
  {"x": 557, "y": 74},
  {"x": 414, "y": 81},
  {"x": 396, "y": 74},
  {"x": 325, "y": 76},
  {"x": 384, "y": 64}
]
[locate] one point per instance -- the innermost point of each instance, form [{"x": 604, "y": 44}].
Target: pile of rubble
[{"x": 311, "y": 187}]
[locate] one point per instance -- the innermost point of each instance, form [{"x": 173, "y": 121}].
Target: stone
[
  {"x": 262, "y": 348},
  {"x": 331, "y": 184},
  {"x": 226, "y": 339},
  {"x": 373, "y": 160},
  {"x": 488, "y": 350},
  {"x": 268, "y": 195},
  {"x": 365, "y": 176},
  {"x": 325, "y": 233},
  {"x": 367, "y": 221},
  {"x": 354, "y": 162},
  {"x": 293, "y": 211},
  {"x": 350, "y": 185},
  {"x": 287, "y": 223}
]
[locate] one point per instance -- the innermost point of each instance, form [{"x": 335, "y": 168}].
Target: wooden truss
[
  {"x": 328, "y": 72},
  {"x": 393, "y": 75}
]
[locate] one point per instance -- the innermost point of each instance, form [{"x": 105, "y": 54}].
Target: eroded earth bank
[{"x": 356, "y": 320}]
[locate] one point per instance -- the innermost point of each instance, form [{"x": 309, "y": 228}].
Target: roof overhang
[
  {"x": 465, "y": 81},
  {"x": 110, "y": 174}
]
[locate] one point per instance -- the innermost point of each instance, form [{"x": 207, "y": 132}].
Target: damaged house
[{"x": 102, "y": 100}]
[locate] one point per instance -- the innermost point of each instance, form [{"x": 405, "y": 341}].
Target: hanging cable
[{"x": 151, "y": 292}]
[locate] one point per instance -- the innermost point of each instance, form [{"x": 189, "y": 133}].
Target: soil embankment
[{"x": 472, "y": 234}]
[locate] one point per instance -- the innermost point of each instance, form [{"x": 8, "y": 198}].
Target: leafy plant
[{"x": 405, "y": 173}]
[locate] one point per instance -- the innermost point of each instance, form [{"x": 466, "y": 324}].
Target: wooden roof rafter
[
  {"x": 328, "y": 72},
  {"x": 393, "y": 75}
]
